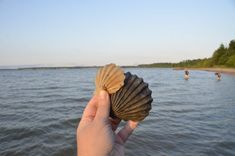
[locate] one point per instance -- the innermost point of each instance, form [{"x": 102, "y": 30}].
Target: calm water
[{"x": 40, "y": 110}]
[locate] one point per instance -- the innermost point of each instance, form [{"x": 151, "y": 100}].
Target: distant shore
[{"x": 221, "y": 70}]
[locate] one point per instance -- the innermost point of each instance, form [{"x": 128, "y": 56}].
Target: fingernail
[
  {"x": 133, "y": 124},
  {"x": 103, "y": 98},
  {"x": 103, "y": 94}
]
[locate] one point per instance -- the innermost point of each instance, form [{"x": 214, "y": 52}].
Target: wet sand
[{"x": 221, "y": 70}]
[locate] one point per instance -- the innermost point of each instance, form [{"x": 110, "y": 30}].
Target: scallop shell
[
  {"x": 110, "y": 78},
  {"x": 132, "y": 101}
]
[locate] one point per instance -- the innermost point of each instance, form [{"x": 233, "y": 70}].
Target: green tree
[
  {"x": 208, "y": 63},
  {"x": 231, "y": 48},
  {"x": 232, "y": 45},
  {"x": 231, "y": 61},
  {"x": 218, "y": 53},
  {"x": 224, "y": 58}
]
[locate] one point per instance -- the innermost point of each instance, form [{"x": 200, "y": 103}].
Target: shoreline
[{"x": 230, "y": 71}]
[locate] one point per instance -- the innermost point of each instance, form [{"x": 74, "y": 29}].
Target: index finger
[{"x": 127, "y": 130}]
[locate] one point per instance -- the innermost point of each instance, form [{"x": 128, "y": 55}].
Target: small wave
[
  {"x": 70, "y": 122},
  {"x": 51, "y": 95},
  {"x": 220, "y": 148},
  {"x": 82, "y": 99},
  {"x": 45, "y": 88},
  {"x": 65, "y": 150},
  {"x": 178, "y": 110},
  {"x": 229, "y": 145},
  {"x": 62, "y": 124},
  {"x": 19, "y": 133},
  {"x": 156, "y": 84}
]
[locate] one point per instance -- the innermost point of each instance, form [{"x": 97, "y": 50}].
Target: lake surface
[{"x": 40, "y": 111}]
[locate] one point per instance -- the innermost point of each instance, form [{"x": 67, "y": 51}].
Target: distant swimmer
[
  {"x": 218, "y": 75},
  {"x": 186, "y": 74}
]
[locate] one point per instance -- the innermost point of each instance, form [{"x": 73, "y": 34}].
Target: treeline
[
  {"x": 222, "y": 57},
  {"x": 162, "y": 65}
]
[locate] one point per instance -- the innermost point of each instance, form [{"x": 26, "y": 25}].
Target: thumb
[{"x": 103, "y": 107}]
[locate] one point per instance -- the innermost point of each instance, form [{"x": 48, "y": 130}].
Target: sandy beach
[{"x": 221, "y": 70}]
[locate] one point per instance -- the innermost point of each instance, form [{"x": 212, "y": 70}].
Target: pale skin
[{"x": 96, "y": 133}]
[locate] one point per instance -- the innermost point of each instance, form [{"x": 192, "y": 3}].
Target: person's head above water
[{"x": 186, "y": 72}]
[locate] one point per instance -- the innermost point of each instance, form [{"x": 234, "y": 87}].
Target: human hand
[{"x": 96, "y": 131}]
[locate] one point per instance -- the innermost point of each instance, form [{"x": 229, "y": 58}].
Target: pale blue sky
[{"x": 126, "y": 32}]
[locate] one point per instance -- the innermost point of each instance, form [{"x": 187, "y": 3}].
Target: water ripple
[{"x": 40, "y": 111}]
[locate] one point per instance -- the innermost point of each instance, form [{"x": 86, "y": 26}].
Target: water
[{"x": 40, "y": 110}]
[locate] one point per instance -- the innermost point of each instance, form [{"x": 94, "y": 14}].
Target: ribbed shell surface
[{"x": 133, "y": 100}]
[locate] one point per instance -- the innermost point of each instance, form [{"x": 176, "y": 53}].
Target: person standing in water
[
  {"x": 186, "y": 74},
  {"x": 218, "y": 76}
]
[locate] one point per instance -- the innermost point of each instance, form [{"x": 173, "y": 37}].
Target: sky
[{"x": 125, "y": 32}]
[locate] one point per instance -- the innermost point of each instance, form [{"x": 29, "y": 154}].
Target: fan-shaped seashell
[
  {"x": 109, "y": 78},
  {"x": 133, "y": 100}
]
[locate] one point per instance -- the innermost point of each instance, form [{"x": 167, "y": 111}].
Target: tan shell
[
  {"x": 132, "y": 101},
  {"x": 109, "y": 78}
]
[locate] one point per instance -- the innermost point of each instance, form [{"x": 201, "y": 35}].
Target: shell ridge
[
  {"x": 133, "y": 92},
  {"x": 144, "y": 92},
  {"x": 127, "y": 87},
  {"x": 107, "y": 73},
  {"x": 100, "y": 74},
  {"x": 139, "y": 103},
  {"x": 113, "y": 78},
  {"x": 104, "y": 75},
  {"x": 134, "y": 110},
  {"x": 114, "y": 102},
  {"x": 123, "y": 94},
  {"x": 136, "y": 94},
  {"x": 97, "y": 80},
  {"x": 115, "y": 98}
]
